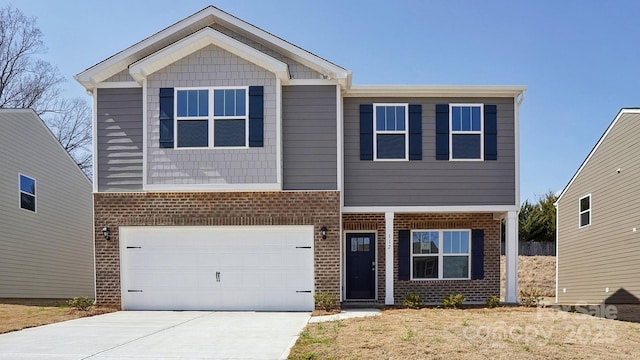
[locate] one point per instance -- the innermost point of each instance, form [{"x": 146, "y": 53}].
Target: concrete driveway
[{"x": 160, "y": 335}]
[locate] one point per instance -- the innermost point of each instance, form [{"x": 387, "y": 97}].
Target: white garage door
[{"x": 217, "y": 268}]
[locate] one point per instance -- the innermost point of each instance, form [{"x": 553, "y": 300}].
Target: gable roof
[
  {"x": 193, "y": 24},
  {"x": 621, "y": 114}
]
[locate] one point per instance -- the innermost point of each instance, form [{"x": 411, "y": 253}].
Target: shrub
[
  {"x": 453, "y": 301},
  {"x": 82, "y": 303},
  {"x": 412, "y": 301},
  {"x": 325, "y": 301},
  {"x": 493, "y": 302},
  {"x": 530, "y": 297}
]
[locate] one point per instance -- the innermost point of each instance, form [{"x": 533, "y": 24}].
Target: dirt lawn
[
  {"x": 503, "y": 333},
  {"x": 29, "y": 314},
  {"x": 533, "y": 272}
]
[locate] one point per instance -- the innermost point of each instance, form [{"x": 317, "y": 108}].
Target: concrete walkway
[
  {"x": 346, "y": 314},
  {"x": 160, "y": 335}
]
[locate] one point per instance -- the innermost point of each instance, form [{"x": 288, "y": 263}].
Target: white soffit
[{"x": 199, "y": 40}]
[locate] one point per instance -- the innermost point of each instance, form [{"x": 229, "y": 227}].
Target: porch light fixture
[
  {"x": 323, "y": 232},
  {"x": 105, "y": 232}
]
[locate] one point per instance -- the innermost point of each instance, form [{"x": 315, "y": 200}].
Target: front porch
[{"x": 381, "y": 260}]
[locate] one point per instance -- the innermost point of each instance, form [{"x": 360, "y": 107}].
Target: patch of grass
[
  {"x": 465, "y": 322},
  {"x": 409, "y": 336},
  {"x": 17, "y": 316}
]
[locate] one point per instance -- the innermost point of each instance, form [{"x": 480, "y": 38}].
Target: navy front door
[{"x": 361, "y": 266}]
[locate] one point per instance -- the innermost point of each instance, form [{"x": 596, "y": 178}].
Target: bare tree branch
[
  {"x": 29, "y": 82},
  {"x": 72, "y": 127}
]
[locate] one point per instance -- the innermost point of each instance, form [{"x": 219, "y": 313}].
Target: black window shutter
[
  {"x": 256, "y": 116},
  {"x": 366, "y": 132},
  {"x": 477, "y": 254},
  {"x": 404, "y": 255},
  {"x": 415, "y": 132},
  {"x": 490, "y": 132},
  {"x": 166, "y": 117},
  {"x": 442, "y": 132}
]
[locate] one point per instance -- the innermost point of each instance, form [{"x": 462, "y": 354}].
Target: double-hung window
[
  {"x": 466, "y": 131},
  {"x": 212, "y": 117},
  {"x": 440, "y": 254},
  {"x": 27, "y": 192},
  {"x": 391, "y": 141},
  {"x": 585, "y": 210}
]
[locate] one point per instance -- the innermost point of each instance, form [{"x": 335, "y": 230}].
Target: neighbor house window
[
  {"x": 585, "y": 210},
  {"x": 391, "y": 140},
  {"x": 440, "y": 254},
  {"x": 211, "y": 117},
  {"x": 27, "y": 192},
  {"x": 466, "y": 140}
]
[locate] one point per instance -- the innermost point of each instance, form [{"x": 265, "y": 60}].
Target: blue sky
[{"x": 579, "y": 59}]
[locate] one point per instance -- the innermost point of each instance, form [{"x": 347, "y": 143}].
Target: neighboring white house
[{"x": 46, "y": 239}]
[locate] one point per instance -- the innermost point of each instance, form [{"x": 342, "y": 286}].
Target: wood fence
[{"x": 534, "y": 248}]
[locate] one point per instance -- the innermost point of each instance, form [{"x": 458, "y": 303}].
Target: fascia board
[{"x": 509, "y": 91}]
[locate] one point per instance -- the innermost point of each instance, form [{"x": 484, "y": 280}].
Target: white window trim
[
  {"x": 440, "y": 255},
  {"x": 580, "y": 226},
  {"x": 395, "y": 132},
  {"x": 35, "y": 196},
  {"x": 211, "y": 118},
  {"x": 452, "y": 132}
]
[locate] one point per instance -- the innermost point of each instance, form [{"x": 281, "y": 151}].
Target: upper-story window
[
  {"x": 585, "y": 210},
  {"x": 225, "y": 126},
  {"x": 440, "y": 254},
  {"x": 27, "y": 192},
  {"x": 466, "y": 132},
  {"x": 391, "y": 141}
]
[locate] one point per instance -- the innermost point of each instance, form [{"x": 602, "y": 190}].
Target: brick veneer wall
[
  {"x": 316, "y": 208},
  {"x": 432, "y": 291}
]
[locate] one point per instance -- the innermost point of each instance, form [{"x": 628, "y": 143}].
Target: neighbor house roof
[{"x": 621, "y": 114}]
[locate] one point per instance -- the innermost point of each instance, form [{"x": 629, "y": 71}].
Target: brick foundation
[{"x": 316, "y": 208}]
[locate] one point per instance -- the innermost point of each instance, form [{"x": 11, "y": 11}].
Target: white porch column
[
  {"x": 511, "y": 254},
  {"x": 388, "y": 258}
]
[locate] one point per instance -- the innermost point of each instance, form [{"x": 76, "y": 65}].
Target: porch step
[{"x": 361, "y": 304}]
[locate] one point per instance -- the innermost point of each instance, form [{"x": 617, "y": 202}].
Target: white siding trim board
[
  {"x": 430, "y": 209},
  {"x": 212, "y": 187}
]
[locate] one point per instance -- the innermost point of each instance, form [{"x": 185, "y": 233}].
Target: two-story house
[{"x": 235, "y": 170}]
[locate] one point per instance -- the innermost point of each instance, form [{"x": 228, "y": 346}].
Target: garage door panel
[{"x": 217, "y": 268}]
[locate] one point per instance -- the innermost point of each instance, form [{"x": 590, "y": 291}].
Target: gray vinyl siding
[
  {"x": 309, "y": 138},
  {"x": 119, "y": 141},
  {"x": 210, "y": 67},
  {"x": 122, "y": 76},
  {"x": 47, "y": 253},
  {"x": 605, "y": 254},
  {"x": 429, "y": 182}
]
